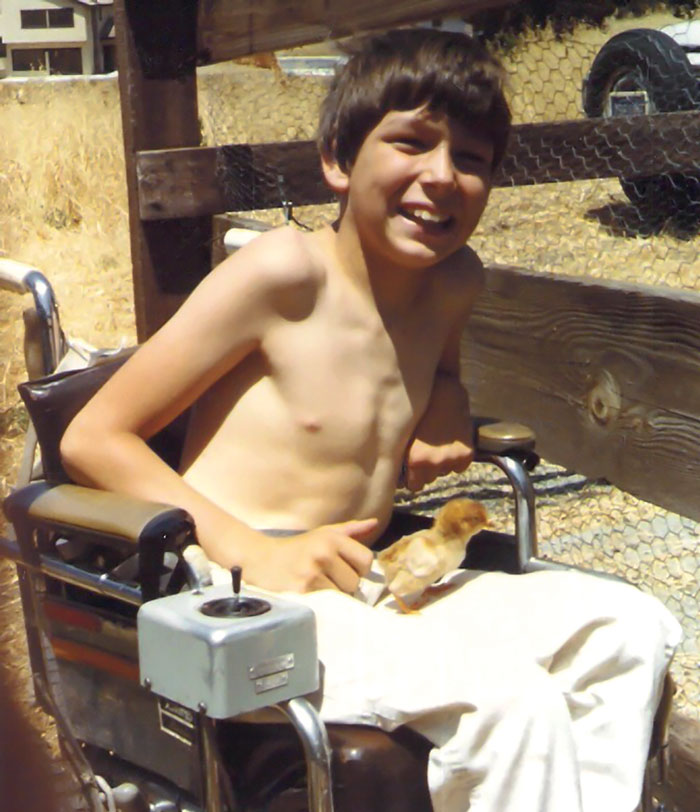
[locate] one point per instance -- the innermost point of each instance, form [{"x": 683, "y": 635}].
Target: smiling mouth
[{"x": 427, "y": 219}]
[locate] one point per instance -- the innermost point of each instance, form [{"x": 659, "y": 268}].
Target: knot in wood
[{"x": 604, "y": 399}]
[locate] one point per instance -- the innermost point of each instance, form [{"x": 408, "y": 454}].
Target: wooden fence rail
[
  {"x": 191, "y": 182},
  {"x": 608, "y": 376}
]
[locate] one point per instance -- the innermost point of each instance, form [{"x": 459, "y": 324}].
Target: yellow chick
[{"x": 414, "y": 562}]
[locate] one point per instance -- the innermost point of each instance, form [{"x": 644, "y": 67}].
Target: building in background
[{"x": 56, "y": 37}]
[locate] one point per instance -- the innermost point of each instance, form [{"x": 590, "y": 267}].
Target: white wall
[
  {"x": 12, "y": 32},
  {"x": 16, "y": 37}
]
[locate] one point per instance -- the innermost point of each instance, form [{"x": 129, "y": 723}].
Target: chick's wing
[{"x": 413, "y": 558}]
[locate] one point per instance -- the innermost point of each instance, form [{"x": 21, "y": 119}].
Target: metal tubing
[
  {"x": 317, "y": 750},
  {"x": 47, "y": 310},
  {"x": 525, "y": 524},
  {"x": 101, "y": 584},
  {"x": 212, "y": 782}
]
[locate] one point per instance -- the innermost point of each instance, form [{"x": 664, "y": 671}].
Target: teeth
[{"x": 428, "y": 216}]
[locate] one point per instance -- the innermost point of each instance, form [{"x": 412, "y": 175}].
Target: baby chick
[{"x": 414, "y": 562}]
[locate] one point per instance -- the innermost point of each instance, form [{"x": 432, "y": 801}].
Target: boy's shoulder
[
  {"x": 461, "y": 279},
  {"x": 283, "y": 255},
  {"x": 463, "y": 270}
]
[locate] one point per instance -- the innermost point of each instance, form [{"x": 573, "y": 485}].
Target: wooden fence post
[{"x": 156, "y": 49}]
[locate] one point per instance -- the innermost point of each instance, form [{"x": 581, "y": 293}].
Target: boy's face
[{"x": 417, "y": 188}]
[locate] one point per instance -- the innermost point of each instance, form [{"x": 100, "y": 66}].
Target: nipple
[
  {"x": 237, "y": 606},
  {"x": 311, "y": 425}
]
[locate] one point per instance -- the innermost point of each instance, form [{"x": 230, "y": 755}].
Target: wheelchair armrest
[
  {"x": 125, "y": 524},
  {"x": 501, "y": 439},
  {"x": 510, "y": 446}
]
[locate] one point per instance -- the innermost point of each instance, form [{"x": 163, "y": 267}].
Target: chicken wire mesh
[{"x": 600, "y": 227}]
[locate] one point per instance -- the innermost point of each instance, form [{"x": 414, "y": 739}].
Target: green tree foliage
[{"x": 504, "y": 25}]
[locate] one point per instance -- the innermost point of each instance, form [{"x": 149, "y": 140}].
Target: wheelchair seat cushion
[
  {"x": 53, "y": 401},
  {"x": 373, "y": 771}
]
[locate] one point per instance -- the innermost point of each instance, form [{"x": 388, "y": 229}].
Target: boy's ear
[{"x": 336, "y": 178}]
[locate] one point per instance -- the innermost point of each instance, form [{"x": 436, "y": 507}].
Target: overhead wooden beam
[
  {"x": 607, "y": 375},
  {"x": 233, "y": 28},
  {"x": 194, "y": 182}
]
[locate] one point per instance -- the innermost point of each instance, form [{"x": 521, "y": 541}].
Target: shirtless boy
[{"x": 318, "y": 365}]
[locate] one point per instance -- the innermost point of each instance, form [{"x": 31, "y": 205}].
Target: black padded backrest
[{"x": 52, "y": 403}]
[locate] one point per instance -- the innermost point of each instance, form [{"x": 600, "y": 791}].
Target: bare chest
[{"x": 351, "y": 380}]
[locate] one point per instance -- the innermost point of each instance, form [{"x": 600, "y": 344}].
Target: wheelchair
[{"x": 152, "y": 708}]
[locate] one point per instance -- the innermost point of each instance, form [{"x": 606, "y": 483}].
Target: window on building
[
  {"x": 65, "y": 61},
  {"x": 34, "y": 18},
  {"x": 28, "y": 59},
  {"x": 60, "y": 18},
  {"x": 3, "y": 49},
  {"x": 47, "y": 18}
]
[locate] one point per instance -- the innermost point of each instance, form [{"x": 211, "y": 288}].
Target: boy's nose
[{"x": 439, "y": 169}]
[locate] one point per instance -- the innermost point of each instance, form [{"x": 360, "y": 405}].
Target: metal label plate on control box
[
  {"x": 284, "y": 662},
  {"x": 272, "y": 681}
]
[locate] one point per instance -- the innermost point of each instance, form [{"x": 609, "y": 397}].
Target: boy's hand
[
  {"x": 330, "y": 557},
  {"x": 442, "y": 442}
]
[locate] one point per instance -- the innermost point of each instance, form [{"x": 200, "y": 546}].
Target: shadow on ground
[{"x": 632, "y": 221}]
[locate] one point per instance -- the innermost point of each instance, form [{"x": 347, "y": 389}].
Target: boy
[{"x": 319, "y": 365}]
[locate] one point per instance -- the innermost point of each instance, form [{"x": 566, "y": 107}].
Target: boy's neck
[{"x": 394, "y": 289}]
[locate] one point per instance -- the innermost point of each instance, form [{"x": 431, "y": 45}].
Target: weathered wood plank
[
  {"x": 212, "y": 180},
  {"x": 681, "y": 789},
  {"x": 624, "y": 146},
  {"x": 157, "y": 86},
  {"x": 608, "y": 377},
  {"x": 193, "y": 182},
  {"x": 232, "y": 28}
]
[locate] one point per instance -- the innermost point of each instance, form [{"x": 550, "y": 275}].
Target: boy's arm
[
  {"x": 442, "y": 441},
  {"x": 219, "y": 325}
]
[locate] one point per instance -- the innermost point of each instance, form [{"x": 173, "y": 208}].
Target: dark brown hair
[{"x": 406, "y": 69}]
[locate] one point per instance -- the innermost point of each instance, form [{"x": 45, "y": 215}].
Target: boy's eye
[
  {"x": 474, "y": 161},
  {"x": 409, "y": 143}
]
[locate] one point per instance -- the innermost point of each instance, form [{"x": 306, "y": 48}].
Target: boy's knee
[
  {"x": 527, "y": 693},
  {"x": 641, "y": 618}
]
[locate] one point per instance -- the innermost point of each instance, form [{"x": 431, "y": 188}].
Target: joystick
[{"x": 236, "y": 606}]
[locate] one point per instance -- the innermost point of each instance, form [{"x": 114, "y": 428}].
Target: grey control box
[{"x": 192, "y": 652}]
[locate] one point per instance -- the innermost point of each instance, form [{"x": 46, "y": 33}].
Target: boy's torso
[{"x": 310, "y": 428}]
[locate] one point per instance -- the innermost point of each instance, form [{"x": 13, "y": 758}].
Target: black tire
[{"x": 653, "y": 62}]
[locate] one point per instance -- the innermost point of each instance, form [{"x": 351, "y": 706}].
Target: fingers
[
  {"x": 358, "y": 528},
  {"x": 437, "y": 461},
  {"x": 356, "y": 554},
  {"x": 344, "y": 574},
  {"x": 329, "y": 557}
]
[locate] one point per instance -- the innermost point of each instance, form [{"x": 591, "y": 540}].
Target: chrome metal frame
[{"x": 317, "y": 751}]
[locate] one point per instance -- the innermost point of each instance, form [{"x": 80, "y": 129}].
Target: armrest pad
[
  {"x": 504, "y": 437},
  {"x": 119, "y": 521},
  {"x": 91, "y": 509}
]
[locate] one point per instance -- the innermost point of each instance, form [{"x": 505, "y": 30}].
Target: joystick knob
[
  {"x": 236, "y": 606},
  {"x": 236, "y": 573}
]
